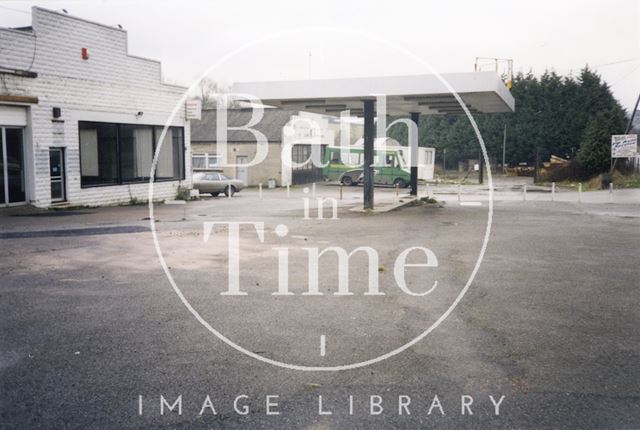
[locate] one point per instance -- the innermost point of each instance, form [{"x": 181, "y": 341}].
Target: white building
[
  {"x": 80, "y": 118},
  {"x": 307, "y": 134}
]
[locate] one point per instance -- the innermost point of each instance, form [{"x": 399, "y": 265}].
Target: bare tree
[{"x": 210, "y": 91}]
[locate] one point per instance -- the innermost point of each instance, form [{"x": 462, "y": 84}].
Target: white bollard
[
  {"x": 580, "y": 192},
  {"x": 553, "y": 191},
  {"x": 229, "y": 186},
  {"x": 313, "y": 190},
  {"x": 260, "y": 190},
  {"x": 610, "y": 191},
  {"x": 524, "y": 193},
  {"x": 458, "y": 192},
  {"x": 341, "y": 191}
]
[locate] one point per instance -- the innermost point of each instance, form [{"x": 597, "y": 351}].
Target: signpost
[
  {"x": 193, "y": 109},
  {"x": 624, "y": 145}
]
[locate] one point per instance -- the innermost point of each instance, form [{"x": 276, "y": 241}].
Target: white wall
[
  {"x": 111, "y": 86},
  {"x": 305, "y": 128}
]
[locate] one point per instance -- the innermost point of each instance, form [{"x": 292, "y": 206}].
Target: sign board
[
  {"x": 194, "y": 109},
  {"x": 624, "y": 145}
]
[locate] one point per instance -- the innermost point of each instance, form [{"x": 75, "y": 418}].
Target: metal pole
[
  {"x": 504, "y": 147},
  {"x": 444, "y": 163},
  {"x": 5, "y": 171},
  {"x": 524, "y": 192},
  {"x": 553, "y": 191},
  {"x": 535, "y": 169},
  {"x": 480, "y": 169},
  {"x": 369, "y": 132},
  {"x": 633, "y": 114},
  {"x": 260, "y": 189},
  {"x": 415, "y": 117}
]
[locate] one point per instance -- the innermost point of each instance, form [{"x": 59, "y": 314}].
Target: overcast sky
[{"x": 190, "y": 36}]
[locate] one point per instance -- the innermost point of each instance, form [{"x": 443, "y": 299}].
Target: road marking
[
  {"x": 174, "y": 202},
  {"x": 322, "y": 345},
  {"x": 470, "y": 203}
]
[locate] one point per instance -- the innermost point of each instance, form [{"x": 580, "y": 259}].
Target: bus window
[{"x": 391, "y": 160}]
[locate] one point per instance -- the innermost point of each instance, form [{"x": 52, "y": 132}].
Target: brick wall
[{"x": 111, "y": 86}]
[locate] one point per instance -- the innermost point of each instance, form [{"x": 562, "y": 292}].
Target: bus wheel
[
  {"x": 346, "y": 180},
  {"x": 400, "y": 183}
]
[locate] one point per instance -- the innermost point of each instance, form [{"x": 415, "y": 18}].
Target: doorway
[
  {"x": 56, "y": 171},
  {"x": 242, "y": 171},
  {"x": 12, "y": 182}
]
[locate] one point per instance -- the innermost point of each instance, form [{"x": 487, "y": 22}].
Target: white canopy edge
[{"x": 482, "y": 92}]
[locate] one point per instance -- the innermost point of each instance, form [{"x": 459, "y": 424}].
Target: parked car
[
  {"x": 215, "y": 183},
  {"x": 356, "y": 176}
]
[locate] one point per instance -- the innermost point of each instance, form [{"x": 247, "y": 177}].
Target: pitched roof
[{"x": 271, "y": 125}]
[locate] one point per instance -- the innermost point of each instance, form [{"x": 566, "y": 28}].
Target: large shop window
[
  {"x": 122, "y": 153},
  {"x": 171, "y": 157}
]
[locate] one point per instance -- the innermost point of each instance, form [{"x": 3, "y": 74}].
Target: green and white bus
[{"x": 345, "y": 164}]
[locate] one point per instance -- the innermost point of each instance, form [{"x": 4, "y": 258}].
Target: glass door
[
  {"x": 12, "y": 164},
  {"x": 56, "y": 171}
]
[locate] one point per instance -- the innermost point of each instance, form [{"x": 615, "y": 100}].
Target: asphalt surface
[{"x": 89, "y": 321}]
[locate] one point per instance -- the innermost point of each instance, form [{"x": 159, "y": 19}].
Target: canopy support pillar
[
  {"x": 415, "y": 117},
  {"x": 369, "y": 131}
]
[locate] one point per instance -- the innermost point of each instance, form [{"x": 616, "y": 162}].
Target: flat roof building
[{"x": 81, "y": 118}]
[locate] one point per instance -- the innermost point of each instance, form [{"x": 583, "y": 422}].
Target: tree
[
  {"x": 595, "y": 149},
  {"x": 209, "y": 90},
  {"x": 552, "y": 114}
]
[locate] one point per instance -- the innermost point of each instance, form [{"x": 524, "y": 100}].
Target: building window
[
  {"x": 301, "y": 154},
  {"x": 99, "y": 154},
  {"x": 204, "y": 161},
  {"x": 136, "y": 152},
  {"x": 123, "y": 153},
  {"x": 171, "y": 157}
]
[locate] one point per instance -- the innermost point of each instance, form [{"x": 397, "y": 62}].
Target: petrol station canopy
[
  {"x": 482, "y": 92},
  {"x": 414, "y": 95}
]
